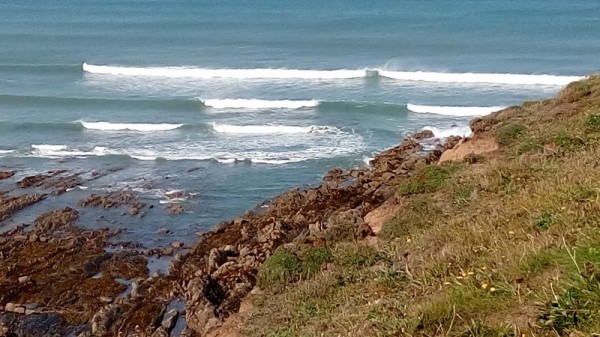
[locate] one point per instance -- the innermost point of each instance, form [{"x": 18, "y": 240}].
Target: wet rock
[
  {"x": 167, "y": 251},
  {"x": 56, "y": 220},
  {"x": 451, "y": 142},
  {"x": 133, "y": 210},
  {"x": 175, "y": 208},
  {"x": 169, "y": 320},
  {"x": 9, "y": 205},
  {"x": 164, "y": 230},
  {"x": 6, "y": 174},
  {"x": 424, "y": 134},
  {"x": 177, "y": 244}
]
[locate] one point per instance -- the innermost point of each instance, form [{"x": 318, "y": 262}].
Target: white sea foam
[
  {"x": 271, "y": 129},
  {"x": 258, "y": 104},
  {"x": 462, "y": 131},
  {"x": 454, "y": 110},
  {"x": 140, "y": 127},
  {"x": 269, "y": 73},
  {"x": 6, "y": 151},
  {"x": 55, "y": 151},
  {"x": 202, "y": 73},
  {"x": 514, "y": 79}
]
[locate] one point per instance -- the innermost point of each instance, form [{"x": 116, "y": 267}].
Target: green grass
[
  {"x": 508, "y": 134},
  {"x": 506, "y": 246},
  {"x": 430, "y": 179},
  {"x": 419, "y": 213},
  {"x": 592, "y": 122}
]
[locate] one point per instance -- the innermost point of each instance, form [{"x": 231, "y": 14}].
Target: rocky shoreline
[{"x": 57, "y": 279}]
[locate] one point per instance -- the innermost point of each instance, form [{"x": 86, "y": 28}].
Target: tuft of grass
[
  {"x": 355, "y": 256},
  {"x": 429, "y": 179},
  {"x": 312, "y": 260},
  {"x": 592, "y": 122},
  {"x": 278, "y": 270},
  {"x": 568, "y": 142},
  {"x": 580, "y": 193},
  {"x": 420, "y": 213},
  {"x": 479, "y": 329},
  {"x": 508, "y": 134},
  {"x": 576, "y": 91},
  {"x": 463, "y": 193},
  {"x": 529, "y": 145},
  {"x": 545, "y": 220}
]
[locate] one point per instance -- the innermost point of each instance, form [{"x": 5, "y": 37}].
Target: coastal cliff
[{"x": 494, "y": 234}]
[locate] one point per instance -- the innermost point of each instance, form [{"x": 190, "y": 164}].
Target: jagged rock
[
  {"x": 451, "y": 142},
  {"x": 9, "y": 205},
  {"x": 424, "y": 134},
  {"x": 6, "y": 174},
  {"x": 175, "y": 208},
  {"x": 177, "y": 244},
  {"x": 133, "y": 210},
  {"x": 103, "y": 319},
  {"x": 55, "y": 220}
]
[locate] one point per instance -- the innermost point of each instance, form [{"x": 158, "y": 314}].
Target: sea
[{"x": 221, "y": 105}]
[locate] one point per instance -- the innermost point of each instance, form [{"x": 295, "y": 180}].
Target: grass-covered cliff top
[{"x": 502, "y": 241}]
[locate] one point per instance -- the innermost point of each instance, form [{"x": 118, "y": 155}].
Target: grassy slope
[{"x": 504, "y": 244}]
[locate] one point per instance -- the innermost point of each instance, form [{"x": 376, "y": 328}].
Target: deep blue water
[{"x": 259, "y": 96}]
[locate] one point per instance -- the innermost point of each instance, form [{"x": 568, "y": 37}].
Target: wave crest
[
  {"x": 140, "y": 127},
  {"x": 454, "y": 110},
  {"x": 462, "y": 131},
  {"x": 258, "y": 104},
  {"x": 337, "y": 74},
  {"x": 271, "y": 129}
]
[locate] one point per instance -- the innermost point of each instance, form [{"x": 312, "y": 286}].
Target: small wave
[
  {"x": 271, "y": 129},
  {"x": 462, "y": 131},
  {"x": 454, "y": 110},
  {"x": 203, "y": 73},
  {"x": 105, "y": 126},
  {"x": 313, "y": 74},
  {"x": 6, "y": 151},
  {"x": 258, "y": 104},
  {"x": 55, "y": 151},
  {"x": 514, "y": 79}
]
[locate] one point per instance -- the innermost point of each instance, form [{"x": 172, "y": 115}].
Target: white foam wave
[
  {"x": 258, "y": 104},
  {"x": 515, "y": 79},
  {"x": 106, "y": 126},
  {"x": 462, "y": 131},
  {"x": 203, "y": 73},
  {"x": 56, "y": 151},
  {"x": 271, "y": 129},
  {"x": 6, "y": 151},
  {"x": 454, "y": 110},
  {"x": 270, "y": 73}
]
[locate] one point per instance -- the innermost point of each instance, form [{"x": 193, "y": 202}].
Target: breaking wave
[
  {"x": 271, "y": 129},
  {"x": 337, "y": 74},
  {"x": 454, "y": 110},
  {"x": 462, "y": 131},
  {"x": 258, "y": 104},
  {"x": 140, "y": 127}
]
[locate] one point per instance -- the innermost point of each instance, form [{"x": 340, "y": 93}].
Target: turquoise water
[{"x": 237, "y": 101}]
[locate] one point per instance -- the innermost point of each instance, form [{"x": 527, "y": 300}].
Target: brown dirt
[{"x": 465, "y": 147}]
